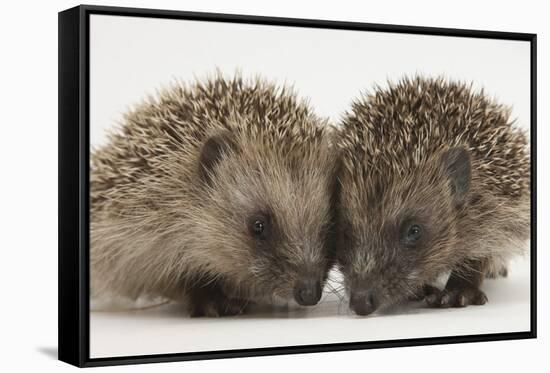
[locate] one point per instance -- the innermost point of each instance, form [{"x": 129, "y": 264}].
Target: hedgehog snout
[
  {"x": 363, "y": 301},
  {"x": 308, "y": 291}
]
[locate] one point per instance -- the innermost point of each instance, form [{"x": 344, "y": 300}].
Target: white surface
[
  {"x": 28, "y": 217},
  {"x": 167, "y": 329}
]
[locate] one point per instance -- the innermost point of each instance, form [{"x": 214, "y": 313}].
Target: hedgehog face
[
  {"x": 397, "y": 232},
  {"x": 266, "y": 219}
]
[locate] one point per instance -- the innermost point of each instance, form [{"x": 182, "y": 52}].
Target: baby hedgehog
[
  {"x": 217, "y": 194},
  {"x": 434, "y": 179}
]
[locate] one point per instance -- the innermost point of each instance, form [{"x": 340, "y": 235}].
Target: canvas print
[{"x": 256, "y": 186}]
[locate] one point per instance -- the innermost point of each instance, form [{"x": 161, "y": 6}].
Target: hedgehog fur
[
  {"x": 189, "y": 178},
  {"x": 434, "y": 155}
]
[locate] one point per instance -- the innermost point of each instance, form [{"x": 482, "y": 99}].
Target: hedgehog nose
[
  {"x": 307, "y": 292},
  {"x": 363, "y": 302}
]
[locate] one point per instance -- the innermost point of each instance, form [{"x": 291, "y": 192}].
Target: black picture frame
[{"x": 74, "y": 149}]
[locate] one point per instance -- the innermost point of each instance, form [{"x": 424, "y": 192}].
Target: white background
[
  {"x": 28, "y": 154},
  {"x": 131, "y": 57}
]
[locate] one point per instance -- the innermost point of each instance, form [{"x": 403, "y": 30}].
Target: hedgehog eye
[
  {"x": 412, "y": 234},
  {"x": 258, "y": 225}
]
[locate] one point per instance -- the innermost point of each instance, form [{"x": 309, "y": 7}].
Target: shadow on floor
[{"x": 51, "y": 352}]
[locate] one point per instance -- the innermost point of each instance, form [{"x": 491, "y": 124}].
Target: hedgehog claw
[{"x": 456, "y": 298}]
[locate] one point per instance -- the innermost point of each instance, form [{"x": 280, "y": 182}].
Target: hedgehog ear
[
  {"x": 211, "y": 153},
  {"x": 456, "y": 162}
]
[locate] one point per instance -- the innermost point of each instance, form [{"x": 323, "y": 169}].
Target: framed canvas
[{"x": 235, "y": 186}]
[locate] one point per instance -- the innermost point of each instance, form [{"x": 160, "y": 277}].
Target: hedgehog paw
[
  {"x": 423, "y": 293},
  {"x": 456, "y": 298},
  {"x": 502, "y": 272},
  {"x": 218, "y": 308}
]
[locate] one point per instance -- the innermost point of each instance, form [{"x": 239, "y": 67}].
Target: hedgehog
[
  {"x": 217, "y": 194},
  {"x": 434, "y": 181}
]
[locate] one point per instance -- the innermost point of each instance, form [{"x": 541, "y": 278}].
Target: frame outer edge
[
  {"x": 73, "y": 229},
  {"x": 69, "y": 248}
]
